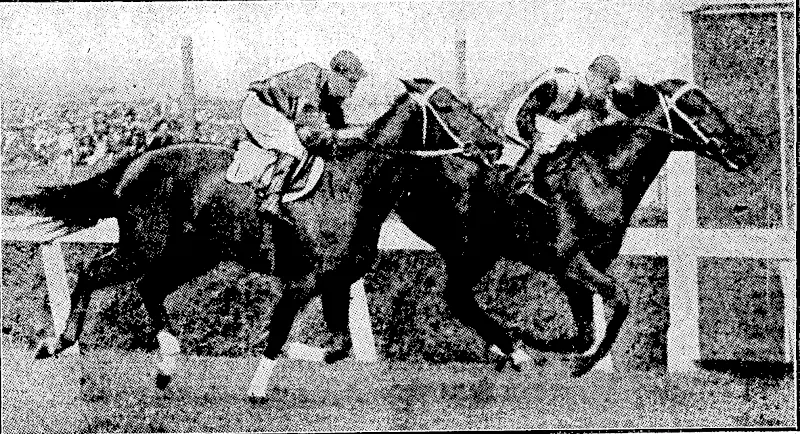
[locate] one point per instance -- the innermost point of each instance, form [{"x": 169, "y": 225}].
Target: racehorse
[
  {"x": 466, "y": 209},
  {"x": 178, "y": 218}
]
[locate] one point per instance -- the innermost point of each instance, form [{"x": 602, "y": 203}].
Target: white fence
[{"x": 682, "y": 242}]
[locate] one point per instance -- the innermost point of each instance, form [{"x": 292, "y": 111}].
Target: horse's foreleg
[
  {"x": 293, "y": 298},
  {"x": 336, "y": 311},
  {"x": 462, "y": 277},
  {"x": 614, "y": 297},
  {"x": 579, "y": 298},
  {"x": 336, "y": 294}
]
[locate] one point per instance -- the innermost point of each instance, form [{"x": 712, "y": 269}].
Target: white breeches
[
  {"x": 551, "y": 134},
  {"x": 270, "y": 128}
]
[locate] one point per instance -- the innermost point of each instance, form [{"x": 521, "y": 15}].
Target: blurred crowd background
[{"x": 39, "y": 134}]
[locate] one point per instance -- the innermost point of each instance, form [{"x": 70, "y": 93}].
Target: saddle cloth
[{"x": 255, "y": 165}]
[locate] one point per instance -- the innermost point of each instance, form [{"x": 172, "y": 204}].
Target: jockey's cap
[
  {"x": 347, "y": 64},
  {"x": 606, "y": 67}
]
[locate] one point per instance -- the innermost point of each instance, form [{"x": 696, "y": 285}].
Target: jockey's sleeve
[
  {"x": 291, "y": 92},
  {"x": 537, "y": 103}
]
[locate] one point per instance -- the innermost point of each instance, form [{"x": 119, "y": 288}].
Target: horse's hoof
[
  {"x": 162, "y": 380},
  {"x": 582, "y": 365},
  {"x": 46, "y": 349},
  {"x": 43, "y": 352},
  {"x": 335, "y": 356},
  {"x": 257, "y": 399}
]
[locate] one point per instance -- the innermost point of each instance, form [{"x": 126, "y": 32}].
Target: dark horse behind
[
  {"x": 178, "y": 218},
  {"x": 468, "y": 212}
]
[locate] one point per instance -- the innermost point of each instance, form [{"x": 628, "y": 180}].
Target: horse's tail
[{"x": 79, "y": 205}]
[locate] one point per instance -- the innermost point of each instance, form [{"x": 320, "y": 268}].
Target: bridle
[
  {"x": 669, "y": 105},
  {"x": 423, "y": 100}
]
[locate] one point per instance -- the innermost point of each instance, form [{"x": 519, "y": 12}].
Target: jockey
[
  {"x": 557, "y": 107},
  {"x": 281, "y": 111}
]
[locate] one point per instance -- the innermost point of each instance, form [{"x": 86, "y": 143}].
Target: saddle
[{"x": 255, "y": 165}]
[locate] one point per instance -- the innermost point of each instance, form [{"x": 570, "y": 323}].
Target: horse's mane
[
  {"x": 379, "y": 124},
  {"x": 599, "y": 143}
]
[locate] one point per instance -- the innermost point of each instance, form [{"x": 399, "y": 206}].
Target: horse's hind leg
[{"x": 110, "y": 268}]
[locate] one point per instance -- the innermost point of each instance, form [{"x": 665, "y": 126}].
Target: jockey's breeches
[
  {"x": 551, "y": 134},
  {"x": 270, "y": 128}
]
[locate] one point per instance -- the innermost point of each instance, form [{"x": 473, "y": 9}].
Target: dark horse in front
[
  {"x": 178, "y": 218},
  {"x": 467, "y": 209}
]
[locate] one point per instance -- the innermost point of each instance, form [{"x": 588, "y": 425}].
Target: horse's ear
[{"x": 410, "y": 86}]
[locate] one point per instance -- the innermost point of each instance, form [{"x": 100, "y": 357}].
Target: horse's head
[
  {"x": 685, "y": 109},
  {"x": 450, "y": 124}
]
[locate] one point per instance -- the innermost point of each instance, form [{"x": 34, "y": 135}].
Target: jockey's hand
[
  {"x": 327, "y": 135},
  {"x": 311, "y": 134},
  {"x": 351, "y": 132}
]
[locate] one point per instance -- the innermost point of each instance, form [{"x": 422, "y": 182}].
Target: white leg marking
[
  {"x": 168, "y": 344},
  {"x": 258, "y": 386},
  {"x": 519, "y": 356},
  {"x": 168, "y": 347},
  {"x": 599, "y": 323}
]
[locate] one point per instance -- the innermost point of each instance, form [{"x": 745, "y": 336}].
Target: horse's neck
[
  {"x": 637, "y": 162},
  {"x": 359, "y": 168}
]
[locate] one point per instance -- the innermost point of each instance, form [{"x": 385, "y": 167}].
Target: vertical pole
[
  {"x": 188, "y": 99},
  {"x": 782, "y": 127},
  {"x": 683, "y": 334},
  {"x": 788, "y": 270},
  {"x": 461, "y": 56}
]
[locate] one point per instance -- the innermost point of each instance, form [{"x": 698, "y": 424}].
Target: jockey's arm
[{"x": 535, "y": 105}]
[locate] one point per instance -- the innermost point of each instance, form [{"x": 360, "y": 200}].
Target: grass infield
[{"x": 208, "y": 395}]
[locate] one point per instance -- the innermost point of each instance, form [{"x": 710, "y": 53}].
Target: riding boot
[{"x": 274, "y": 192}]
